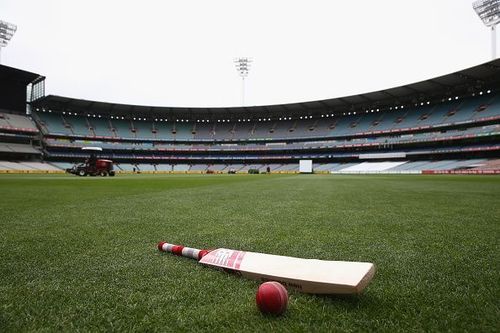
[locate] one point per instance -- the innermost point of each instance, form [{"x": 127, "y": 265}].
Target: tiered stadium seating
[
  {"x": 39, "y": 166},
  {"x": 62, "y": 165},
  {"x": 53, "y": 123},
  {"x": 146, "y": 167},
  {"x": 449, "y": 112},
  {"x": 143, "y": 130},
  {"x": 19, "y": 137},
  {"x": 368, "y": 167},
  {"x": 100, "y": 127},
  {"x": 17, "y": 122},
  {"x": 27, "y": 166},
  {"x": 406, "y": 166},
  {"x": 486, "y": 165},
  {"x": 199, "y": 167},
  {"x": 18, "y": 148},
  {"x": 339, "y": 143},
  {"x": 126, "y": 167},
  {"x": 251, "y": 166},
  {"x": 164, "y": 167},
  {"x": 180, "y": 167},
  {"x": 216, "y": 167}
]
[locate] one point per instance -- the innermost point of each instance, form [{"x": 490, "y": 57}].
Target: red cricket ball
[{"x": 272, "y": 298}]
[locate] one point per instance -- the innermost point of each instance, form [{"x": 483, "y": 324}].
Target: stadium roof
[
  {"x": 461, "y": 83},
  {"x": 13, "y": 92},
  {"x": 10, "y": 74}
]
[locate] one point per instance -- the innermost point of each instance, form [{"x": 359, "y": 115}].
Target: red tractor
[{"x": 93, "y": 166}]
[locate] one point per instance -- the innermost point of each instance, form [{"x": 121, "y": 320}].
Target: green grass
[{"x": 78, "y": 254}]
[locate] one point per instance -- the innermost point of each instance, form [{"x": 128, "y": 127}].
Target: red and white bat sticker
[{"x": 224, "y": 258}]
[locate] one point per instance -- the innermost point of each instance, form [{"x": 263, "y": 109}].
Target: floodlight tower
[
  {"x": 7, "y": 30},
  {"x": 243, "y": 66},
  {"x": 489, "y": 12}
]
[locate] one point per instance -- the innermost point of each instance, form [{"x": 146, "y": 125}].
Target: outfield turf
[{"x": 79, "y": 254}]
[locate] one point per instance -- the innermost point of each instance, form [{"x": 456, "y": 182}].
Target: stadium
[
  {"x": 405, "y": 178},
  {"x": 448, "y": 124}
]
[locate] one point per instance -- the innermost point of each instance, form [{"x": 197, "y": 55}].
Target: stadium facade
[{"x": 447, "y": 124}]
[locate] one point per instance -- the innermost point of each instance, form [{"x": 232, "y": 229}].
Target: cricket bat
[{"x": 306, "y": 275}]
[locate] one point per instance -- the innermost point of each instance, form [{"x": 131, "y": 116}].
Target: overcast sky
[{"x": 180, "y": 53}]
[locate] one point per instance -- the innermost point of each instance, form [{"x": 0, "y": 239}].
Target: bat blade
[{"x": 306, "y": 275}]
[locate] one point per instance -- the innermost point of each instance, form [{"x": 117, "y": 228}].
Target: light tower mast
[
  {"x": 489, "y": 12},
  {"x": 7, "y": 30},
  {"x": 243, "y": 66}
]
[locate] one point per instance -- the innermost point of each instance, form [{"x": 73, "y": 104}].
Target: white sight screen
[{"x": 305, "y": 166}]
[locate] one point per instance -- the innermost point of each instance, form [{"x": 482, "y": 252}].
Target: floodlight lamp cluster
[
  {"x": 243, "y": 66},
  {"x": 7, "y": 30},
  {"x": 488, "y": 11}
]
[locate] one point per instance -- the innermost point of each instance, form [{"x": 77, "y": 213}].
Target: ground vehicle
[
  {"x": 100, "y": 168},
  {"x": 93, "y": 166}
]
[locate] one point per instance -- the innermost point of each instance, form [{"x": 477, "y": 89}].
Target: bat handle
[{"x": 180, "y": 250}]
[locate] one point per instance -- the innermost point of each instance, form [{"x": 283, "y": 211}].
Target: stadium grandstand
[
  {"x": 20, "y": 140},
  {"x": 447, "y": 124}
]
